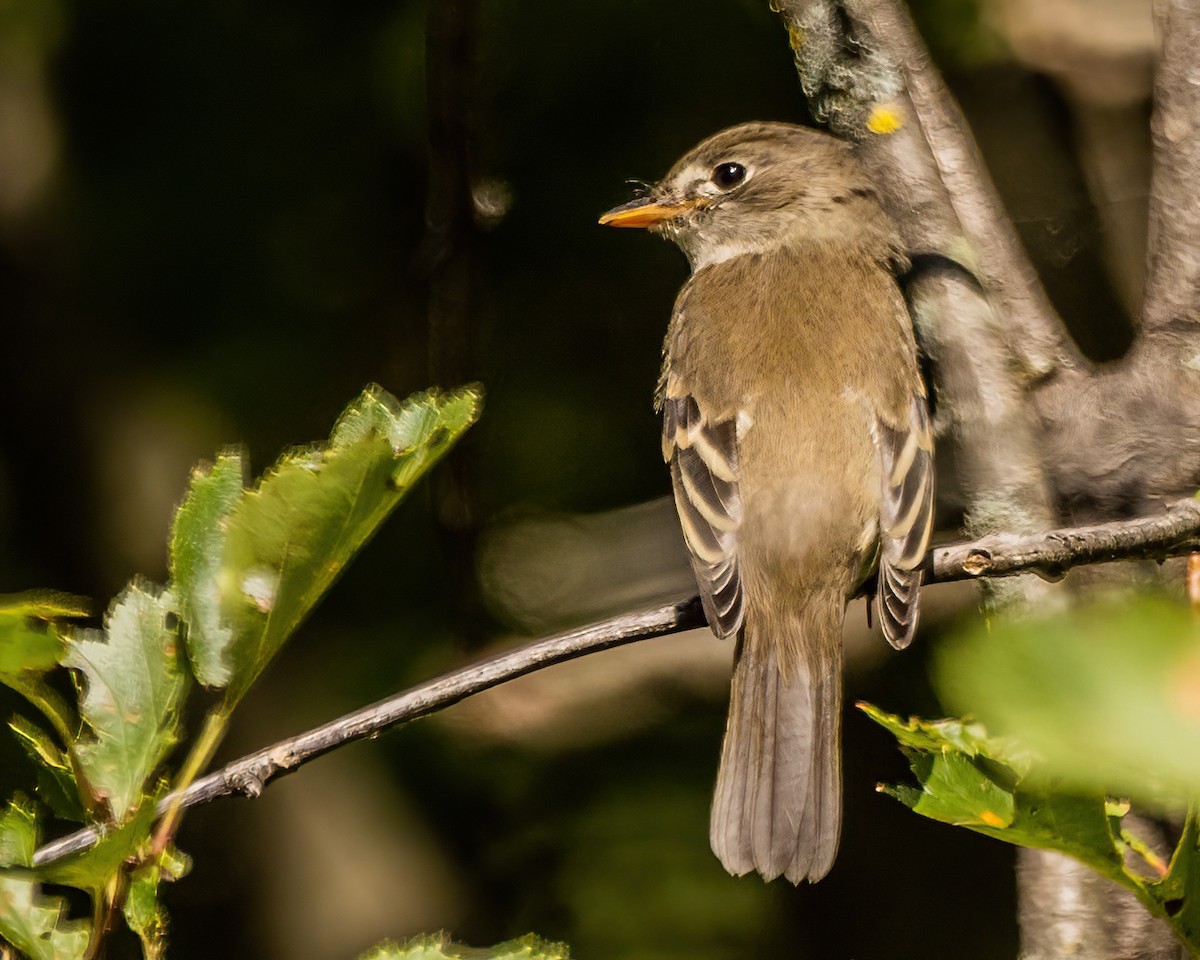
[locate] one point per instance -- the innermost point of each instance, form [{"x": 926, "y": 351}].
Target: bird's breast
[{"x": 803, "y": 350}]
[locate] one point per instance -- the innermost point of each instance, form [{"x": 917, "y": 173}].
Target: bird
[{"x": 796, "y": 428}]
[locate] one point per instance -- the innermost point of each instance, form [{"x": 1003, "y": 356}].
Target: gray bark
[{"x": 1038, "y": 432}]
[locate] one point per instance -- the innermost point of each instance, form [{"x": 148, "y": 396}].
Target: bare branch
[
  {"x": 1173, "y": 280},
  {"x": 1171, "y": 533},
  {"x": 1176, "y": 531}
]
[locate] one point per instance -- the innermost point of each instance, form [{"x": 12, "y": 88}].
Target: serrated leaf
[
  {"x": 143, "y": 911},
  {"x": 197, "y": 545},
  {"x": 439, "y": 947},
  {"x": 1109, "y": 695},
  {"x": 55, "y": 778},
  {"x": 969, "y": 779},
  {"x": 288, "y": 540},
  {"x": 132, "y": 690},
  {"x": 31, "y": 645},
  {"x": 34, "y": 924},
  {"x": 969, "y": 782}
]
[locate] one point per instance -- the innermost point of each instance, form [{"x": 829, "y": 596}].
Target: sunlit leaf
[
  {"x": 132, "y": 688},
  {"x": 1179, "y": 890},
  {"x": 34, "y": 924},
  {"x": 197, "y": 542},
  {"x": 439, "y": 947},
  {"x": 968, "y": 779},
  {"x": 31, "y": 645},
  {"x": 143, "y": 910},
  {"x": 1109, "y": 695},
  {"x": 52, "y": 767},
  {"x": 144, "y": 913},
  {"x": 287, "y": 540}
]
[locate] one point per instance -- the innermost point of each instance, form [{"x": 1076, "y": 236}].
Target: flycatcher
[{"x": 795, "y": 426}]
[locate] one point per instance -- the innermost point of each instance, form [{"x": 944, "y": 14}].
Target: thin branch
[
  {"x": 249, "y": 775},
  {"x": 1175, "y": 531}
]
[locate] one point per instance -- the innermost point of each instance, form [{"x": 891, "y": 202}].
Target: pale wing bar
[
  {"x": 703, "y": 459},
  {"x": 905, "y": 520}
]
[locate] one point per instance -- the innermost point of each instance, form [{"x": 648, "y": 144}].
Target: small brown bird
[{"x": 795, "y": 426}]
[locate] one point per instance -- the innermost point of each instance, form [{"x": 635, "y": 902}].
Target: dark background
[{"x": 219, "y": 220}]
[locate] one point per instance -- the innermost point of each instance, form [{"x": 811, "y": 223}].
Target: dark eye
[{"x": 728, "y": 175}]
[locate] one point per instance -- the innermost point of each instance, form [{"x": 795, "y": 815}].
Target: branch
[
  {"x": 249, "y": 775},
  {"x": 1173, "y": 278},
  {"x": 1174, "y": 532},
  {"x": 1036, "y": 335},
  {"x": 860, "y": 59}
]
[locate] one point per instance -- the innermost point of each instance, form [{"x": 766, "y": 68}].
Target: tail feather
[{"x": 778, "y": 803}]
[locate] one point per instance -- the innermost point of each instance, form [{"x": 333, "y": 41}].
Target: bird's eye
[{"x": 728, "y": 175}]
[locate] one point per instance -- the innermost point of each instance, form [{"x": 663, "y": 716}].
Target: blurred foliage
[
  {"x": 959, "y": 33},
  {"x": 439, "y": 947},
  {"x": 1109, "y": 696},
  {"x": 1094, "y": 704}
]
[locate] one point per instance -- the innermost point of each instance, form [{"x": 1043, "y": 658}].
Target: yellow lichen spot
[
  {"x": 992, "y": 819},
  {"x": 795, "y": 37},
  {"x": 885, "y": 118}
]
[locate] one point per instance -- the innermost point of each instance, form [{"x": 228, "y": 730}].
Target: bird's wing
[
  {"x": 905, "y": 519},
  {"x": 704, "y": 462}
]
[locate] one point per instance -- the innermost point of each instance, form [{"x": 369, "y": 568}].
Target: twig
[
  {"x": 1176, "y": 531},
  {"x": 1173, "y": 532},
  {"x": 249, "y": 775}
]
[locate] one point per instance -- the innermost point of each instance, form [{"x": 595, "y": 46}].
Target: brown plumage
[{"x": 794, "y": 424}]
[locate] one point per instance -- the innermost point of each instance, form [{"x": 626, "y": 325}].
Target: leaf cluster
[
  {"x": 1100, "y": 719},
  {"x": 248, "y": 564}
]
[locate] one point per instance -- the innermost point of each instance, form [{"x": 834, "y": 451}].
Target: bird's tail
[{"x": 778, "y": 802}]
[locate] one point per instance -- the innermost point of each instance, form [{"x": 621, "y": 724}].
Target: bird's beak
[{"x": 646, "y": 211}]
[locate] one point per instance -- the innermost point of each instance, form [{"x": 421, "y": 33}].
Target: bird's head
[{"x": 755, "y": 187}]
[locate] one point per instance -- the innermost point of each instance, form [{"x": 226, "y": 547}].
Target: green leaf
[
  {"x": 31, "y": 645},
  {"x": 1179, "y": 890},
  {"x": 288, "y": 540},
  {"x": 971, "y": 780},
  {"x": 55, "y": 778},
  {"x": 92, "y": 869},
  {"x": 132, "y": 690},
  {"x": 34, "y": 924},
  {"x": 437, "y": 946},
  {"x": 144, "y": 914},
  {"x": 1109, "y": 695},
  {"x": 143, "y": 911},
  {"x": 197, "y": 542}
]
